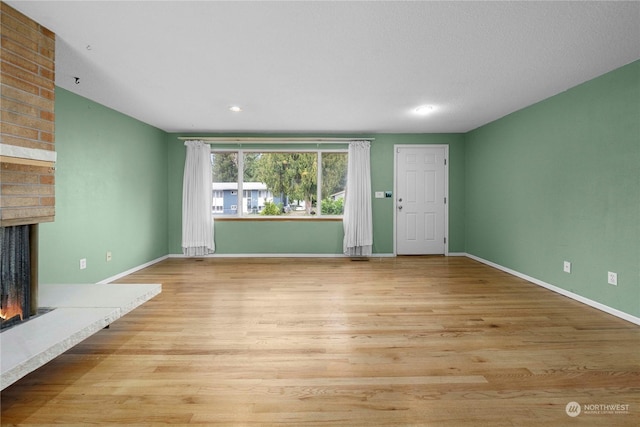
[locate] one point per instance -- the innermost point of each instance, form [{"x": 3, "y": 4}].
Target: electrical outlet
[
  {"x": 567, "y": 267},
  {"x": 612, "y": 278},
  {"x": 108, "y": 256},
  {"x": 83, "y": 263}
]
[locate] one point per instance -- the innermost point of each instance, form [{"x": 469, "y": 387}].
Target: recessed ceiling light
[
  {"x": 235, "y": 109},
  {"x": 424, "y": 109}
]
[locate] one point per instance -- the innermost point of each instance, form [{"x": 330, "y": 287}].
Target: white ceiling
[{"x": 331, "y": 66}]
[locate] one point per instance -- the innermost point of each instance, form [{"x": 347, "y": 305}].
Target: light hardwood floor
[{"x": 392, "y": 341}]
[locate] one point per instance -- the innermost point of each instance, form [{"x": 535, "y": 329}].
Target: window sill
[{"x": 280, "y": 218}]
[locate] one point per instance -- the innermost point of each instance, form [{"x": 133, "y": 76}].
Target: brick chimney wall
[{"x": 27, "y": 141}]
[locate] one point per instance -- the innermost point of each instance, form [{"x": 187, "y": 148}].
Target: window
[
  {"x": 279, "y": 183},
  {"x": 224, "y": 168}
]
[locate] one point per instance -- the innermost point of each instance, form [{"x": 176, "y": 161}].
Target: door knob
[{"x": 400, "y": 208}]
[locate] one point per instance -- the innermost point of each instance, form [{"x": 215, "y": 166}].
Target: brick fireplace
[{"x": 27, "y": 155}]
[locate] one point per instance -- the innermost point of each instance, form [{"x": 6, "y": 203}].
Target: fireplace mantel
[{"x": 80, "y": 311}]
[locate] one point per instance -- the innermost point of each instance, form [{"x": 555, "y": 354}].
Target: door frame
[{"x": 446, "y": 191}]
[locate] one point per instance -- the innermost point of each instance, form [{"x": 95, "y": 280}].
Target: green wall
[
  {"x": 559, "y": 181},
  {"x": 322, "y": 237},
  {"x": 111, "y": 194}
]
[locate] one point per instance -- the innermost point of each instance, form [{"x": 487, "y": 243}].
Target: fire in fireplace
[{"x": 15, "y": 275}]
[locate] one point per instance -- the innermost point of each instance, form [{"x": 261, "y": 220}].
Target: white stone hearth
[{"x": 80, "y": 311}]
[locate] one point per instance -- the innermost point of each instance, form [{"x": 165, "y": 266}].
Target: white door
[{"x": 420, "y": 199}]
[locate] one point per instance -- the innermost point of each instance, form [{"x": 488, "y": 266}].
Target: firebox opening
[{"x": 16, "y": 262}]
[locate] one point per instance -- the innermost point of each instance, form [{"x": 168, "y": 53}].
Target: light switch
[{"x": 379, "y": 194}]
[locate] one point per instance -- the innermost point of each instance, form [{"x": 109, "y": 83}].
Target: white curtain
[
  {"x": 357, "y": 222},
  {"x": 197, "y": 220}
]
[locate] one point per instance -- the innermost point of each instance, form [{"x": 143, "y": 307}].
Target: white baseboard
[
  {"x": 132, "y": 270},
  {"x": 610, "y": 310}
]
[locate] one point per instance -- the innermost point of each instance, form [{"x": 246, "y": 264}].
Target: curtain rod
[{"x": 222, "y": 140}]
